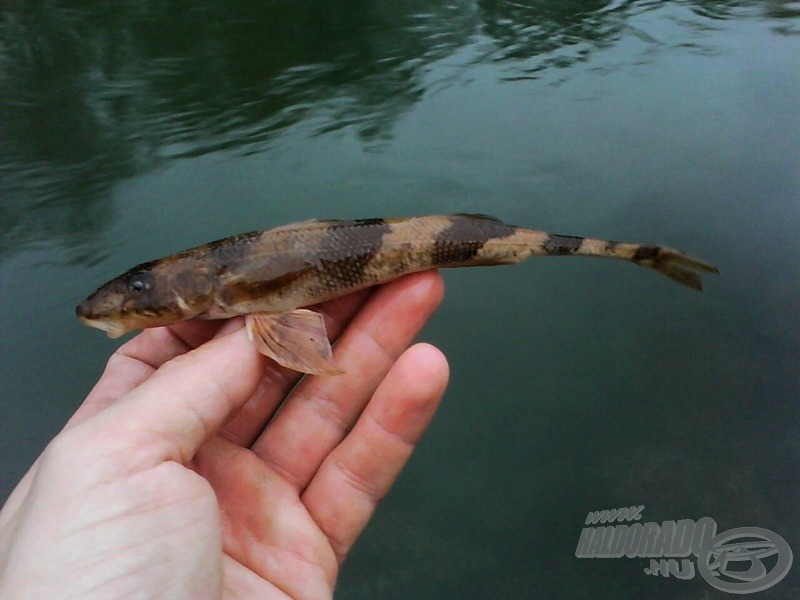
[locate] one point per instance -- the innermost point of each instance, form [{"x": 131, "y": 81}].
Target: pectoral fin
[{"x": 297, "y": 340}]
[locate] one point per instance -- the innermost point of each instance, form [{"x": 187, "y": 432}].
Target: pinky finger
[{"x": 361, "y": 470}]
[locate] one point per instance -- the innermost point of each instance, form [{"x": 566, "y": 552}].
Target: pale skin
[{"x": 177, "y": 478}]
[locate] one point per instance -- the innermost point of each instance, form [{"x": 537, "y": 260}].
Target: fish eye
[{"x": 137, "y": 284}]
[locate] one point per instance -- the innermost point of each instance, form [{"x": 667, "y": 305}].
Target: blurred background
[{"x": 130, "y": 130}]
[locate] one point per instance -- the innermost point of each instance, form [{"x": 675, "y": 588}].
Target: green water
[{"x": 129, "y": 130}]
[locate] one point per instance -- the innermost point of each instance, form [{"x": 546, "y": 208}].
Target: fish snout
[
  {"x": 84, "y": 310},
  {"x": 99, "y": 311},
  {"x": 88, "y": 316}
]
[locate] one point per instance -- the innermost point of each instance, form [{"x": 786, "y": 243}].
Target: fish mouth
[{"x": 113, "y": 329}]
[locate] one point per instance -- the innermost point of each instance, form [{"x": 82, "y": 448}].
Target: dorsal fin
[
  {"x": 310, "y": 223},
  {"x": 477, "y": 216},
  {"x": 322, "y": 223}
]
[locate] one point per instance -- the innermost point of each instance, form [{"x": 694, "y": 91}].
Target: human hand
[{"x": 180, "y": 477}]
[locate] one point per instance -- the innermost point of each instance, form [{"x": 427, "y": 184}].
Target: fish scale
[{"x": 270, "y": 276}]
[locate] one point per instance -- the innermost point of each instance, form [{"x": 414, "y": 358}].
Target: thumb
[{"x": 183, "y": 404}]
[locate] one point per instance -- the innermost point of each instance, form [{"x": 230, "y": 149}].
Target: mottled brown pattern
[
  {"x": 559, "y": 245},
  {"x": 242, "y": 290},
  {"x": 345, "y": 249},
  {"x": 230, "y": 252},
  {"x": 645, "y": 253},
  {"x": 305, "y": 263},
  {"x": 466, "y": 235}
]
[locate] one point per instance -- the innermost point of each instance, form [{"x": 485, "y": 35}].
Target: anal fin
[{"x": 296, "y": 340}]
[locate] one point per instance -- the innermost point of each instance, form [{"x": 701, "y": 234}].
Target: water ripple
[{"x": 91, "y": 96}]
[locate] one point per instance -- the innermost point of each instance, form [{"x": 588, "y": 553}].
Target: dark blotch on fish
[
  {"x": 645, "y": 253},
  {"x": 465, "y": 236},
  {"x": 346, "y": 248},
  {"x": 560, "y": 245}
]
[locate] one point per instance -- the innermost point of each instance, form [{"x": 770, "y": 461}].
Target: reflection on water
[
  {"x": 543, "y": 35},
  {"x": 93, "y": 95}
]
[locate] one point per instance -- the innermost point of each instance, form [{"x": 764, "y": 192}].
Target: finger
[
  {"x": 247, "y": 423},
  {"x": 242, "y": 583},
  {"x": 348, "y": 486},
  {"x": 136, "y": 360},
  {"x": 131, "y": 364},
  {"x": 16, "y": 500},
  {"x": 182, "y": 404},
  {"x": 321, "y": 410}
]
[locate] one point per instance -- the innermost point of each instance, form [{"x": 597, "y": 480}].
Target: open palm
[{"x": 198, "y": 469}]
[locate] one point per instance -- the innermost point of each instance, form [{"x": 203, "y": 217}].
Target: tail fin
[{"x": 676, "y": 265}]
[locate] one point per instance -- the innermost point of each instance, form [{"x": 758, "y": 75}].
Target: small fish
[{"x": 270, "y": 276}]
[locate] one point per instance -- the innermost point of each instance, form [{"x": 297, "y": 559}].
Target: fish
[{"x": 270, "y": 277}]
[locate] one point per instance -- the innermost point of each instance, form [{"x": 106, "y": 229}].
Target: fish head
[{"x": 149, "y": 295}]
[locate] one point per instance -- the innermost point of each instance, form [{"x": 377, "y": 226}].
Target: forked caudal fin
[{"x": 676, "y": 265}]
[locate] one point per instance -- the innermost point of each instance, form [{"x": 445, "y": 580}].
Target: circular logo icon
[{"x": 743, "y": 560}]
